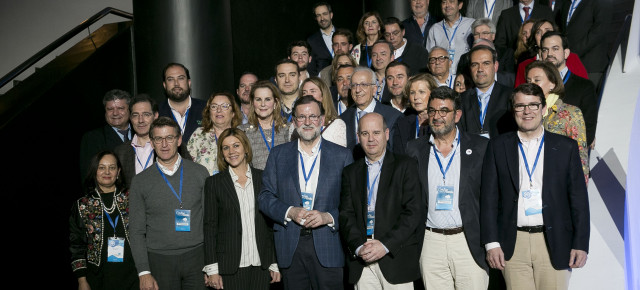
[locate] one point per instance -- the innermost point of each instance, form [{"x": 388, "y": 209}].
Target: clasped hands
[{"x": 309, "y": 218}]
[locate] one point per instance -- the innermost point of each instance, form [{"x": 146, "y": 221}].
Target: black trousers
[
  {"x": 178, "y": 271},
  {"x": 306, "y": 272}
]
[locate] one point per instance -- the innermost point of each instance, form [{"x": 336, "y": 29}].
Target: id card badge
[
  {"x": 115, "y": 250},
  {"x": 444, "y": 199},
  {"x": 371, "y": 221},
  {"x": 307, "y": 200},
  {"x": 183, "y": 220},
  {"x": 452, "y": 53},
  {"x": 532, "y": 201}
]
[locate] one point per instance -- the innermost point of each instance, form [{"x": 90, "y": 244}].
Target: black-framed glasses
[
  {"x": 302, "y": 118},
  {"x": 532, "y": 107},
  {"x": 158, "y": 140},
  {"x": 224, "y": 107},
  {"x": 441, "y": 112},
  {"x": 439, "y": 59},
  {"x": 395, "y": 33}
]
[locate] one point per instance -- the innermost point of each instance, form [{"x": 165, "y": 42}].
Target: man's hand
[
  {"x": 316, "y": 218},
  {"x": 275, "y": 277},
  {"x": 147, "y": 282},
  {"x": 577, "y": 258},
  {"x": 372, "y": 251},
  {"x": 297, "y": 214},
  {"x": 495, "y": 258}
]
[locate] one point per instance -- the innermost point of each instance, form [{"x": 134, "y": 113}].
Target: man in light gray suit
[{"x": 487, "y": 8}]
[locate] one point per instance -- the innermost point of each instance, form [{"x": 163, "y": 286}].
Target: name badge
[
  {"x": 532, "y": 201},
  {"x": 371, "y": 217},
  {"x": 444, "y": 199},
  {"x": 452, "y": 53},
  {"x": 183, "y": 220},
  {"x": 115, "y": 250},
  {"x": 307, "y": 200}
]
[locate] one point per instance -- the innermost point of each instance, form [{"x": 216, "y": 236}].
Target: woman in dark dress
[{"x": 98, "y": 229}]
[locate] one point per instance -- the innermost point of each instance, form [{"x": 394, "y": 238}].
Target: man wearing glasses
[
  {"x": 405, "y": 51},
  {"x": 534, "y": 204},
  {"x": 440, "y": 66},
  {"x": 166, "y": 213},
  {"x": 300, "y": 194},
  {"x": 450, "y": 168}
]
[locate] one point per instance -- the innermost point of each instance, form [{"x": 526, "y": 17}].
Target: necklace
[{"x": 113, "y": 204}]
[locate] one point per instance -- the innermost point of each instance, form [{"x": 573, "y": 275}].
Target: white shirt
[
  {"x": 564, "y": 72},
  {"x": 521, "y": 6},
  {"x": 182, "y": 120},
  {"x": 170, "y": 171},
  {"x": 368, "y": 109},
  {"x": 448, "y": 83},
  {"x": 142, "y": 154},
  {"x": 572, "y": 9},
  {"x": 530, "y": 150},
  {"x": 398, "y": 52},
  {"x": 327, "y": 39},
  {"x": 488, "y": 5},
  {"x": 444, "y": 219}
]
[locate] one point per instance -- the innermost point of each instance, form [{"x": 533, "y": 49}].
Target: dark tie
[
  {"x": 526, "y": 13},
  {"x": 124, "y": 133}
]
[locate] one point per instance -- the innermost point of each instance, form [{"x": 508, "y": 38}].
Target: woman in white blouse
[{"x": 334, "y": 130}]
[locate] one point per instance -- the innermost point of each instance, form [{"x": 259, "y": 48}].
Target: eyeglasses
[
  {"x": 170, "y": 139},
  {"x": 439, "y": 59},
  {"x": 146, "y": 115},
  {"x": 441, "y": 112},
  {"x": 532, "y": 107},
  {"x": 302, "y": 118},
  {"x": 395, "y": 33},
  {"x": 224, "y": 107},
  {"x": 362, "y": 86}
]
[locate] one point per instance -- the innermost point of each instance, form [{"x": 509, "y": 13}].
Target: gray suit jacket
[{"x": 476, "y": 9}]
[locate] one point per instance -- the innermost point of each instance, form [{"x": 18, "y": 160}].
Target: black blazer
[
  {"x": 415, "y": 56},
  {"x": 400, "y": 217},
  {"x": 564, "y": 197},
  {"x": 320, "y": 54},
  {"x": 405, "y": 130},
  {"x": 194, "y": 120},
  {"x": 510, "y": 21},
  {"x": 581, "y": 93},
  {"x": 223, "y": 225},
  {"x": 498, "y": 119},
  {"x": 587, "y": 31},
  {"x": 349, "y": 117},
  {"x": 412, "y": 31},
  {"x": 472, "y": 150},
  {"x": 94, "y": 141}
]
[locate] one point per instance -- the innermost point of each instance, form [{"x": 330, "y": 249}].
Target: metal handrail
[{"x": 60, "y": 41}]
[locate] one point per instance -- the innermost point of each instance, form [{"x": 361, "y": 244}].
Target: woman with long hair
[
  {"x": 334, "y": 129},
  {"x": 368, "y": 32}
]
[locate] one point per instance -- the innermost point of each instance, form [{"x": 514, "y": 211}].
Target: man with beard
[
  {"x": 300, "y": 52},
  {"x": 303, "y": 207},
  {"x": 450, "y": 169},
  {"x": 382, "y": 54},
  {"x": 320, "y": 41},
  {"x": 180, "y": 106},
  {"x": 440, "y": 66},
  {"x": 137, "y": 155},
  {"x": 343, "y": 81},
  {"x": 415, "y": 55},
  {"x": 417, "y": 26},
  {"x": 247, "y": 79},
  {"x": 288, "y": 81}
]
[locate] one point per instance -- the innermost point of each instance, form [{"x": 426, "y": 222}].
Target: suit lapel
[
  {"x": 424, "y": 159},
  {"x": 385, "y": 179},
  {"x": 475, "y": 108},
  {"x": 230, "y": 191},
  {"x": 325, "y": 158},
  {"x": 550, "y": 154},
  {"x": 465, "y": 163},
  {"x": 292, "y": 164},
  {"x": 511, "y": 151}
]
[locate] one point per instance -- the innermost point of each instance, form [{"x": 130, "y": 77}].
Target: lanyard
[
  {"x": 339, "y": 107},
  {"x": 370, "y": 185},
  {"x": 486, "y": 8},
  {"x": 450, "y": 81},
  {"x": 273, "y": 139},
  {"x": 417, "y": 127},
  {"x": 444, "y": 171},
  {"x": 186, "y": 115},
  {"x": 483, "y": 113},
  {"x": 179, "y": 197},
  {"x": 304, "y": 172},
  {"x": 572, "y": 9},
  {"x": 526, "y": 165},
  {"x": 366, "y": 50},
  {"x": 113, "y": 225},
  {"x": 566, "y": 77},
  {"x": 290, "y": 116},
  {"x": 454, "y": 31},
  {"x": 146, "y": 164},
  {"x": 522, "y": 20}
]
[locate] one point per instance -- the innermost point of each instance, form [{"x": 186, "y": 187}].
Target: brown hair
[
  {"x": 362, "y": 37},
  {"x": 335, "y": 65},
  {"x": 423, "y": 77},
  {"x": 552, "y": 74},
  {"x": 207, "y": 123},
  {"x": 330, "y": 113},
  {"x": 235, "y": 132},
  {"x": 277, "y": 117}
]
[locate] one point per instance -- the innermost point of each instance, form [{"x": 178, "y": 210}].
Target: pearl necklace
[{"x": 111, "y": 209}]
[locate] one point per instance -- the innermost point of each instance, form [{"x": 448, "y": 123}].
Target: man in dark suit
[
  {"x": 340, "y": 93},
  {"x": 585, "y": 23},
  {"x": 380, "y": 215},
  {"x": 363, "y": 88},
  {"x": 534, "y": 204},
  {"x": 511, "y": 19},
  {"x": 413, "y": 54},
  {"x": 578, "y": 91},
  {"x": 180, "y": 106},
  {"x": 301, "y": 194},
  {"x": 418, "y": 24},
  {"x": 320, "y": 41},
  {"x": 485, "y": 109},
  {"x": 137, "y": 155},
  {"x": 449, "y": 166},
  {"x": 107, "y": 137}
]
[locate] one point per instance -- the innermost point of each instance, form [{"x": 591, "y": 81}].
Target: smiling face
[
  {"x": 419, "y": 7},
  {"x": 107, "y": 172},
  {"x": 233, "y": 151},
  {"x": 419, "y": 94},
  {"x": 362, "y": 90},
  {"x": 382, "y": 56},
  {"x": 528, "y": 120},
  {"x": 220, "y": 116},
  {"x": 166, "y": 151},
  {"x": 264, "y": 103},
  {"x": 117, "y": 114},
  {"x": 538, "y": 77},
  {"x": 141, "y": 118},
  {"x": 307, "y": 129},
  {"x": 312, "y": 89},
  {"x": 451, "y": 9},
  {"x": 323, "y": 16},
  {"x": 396, "y": 79},
  {"x": 176, "y": 84},
  {"x": 287, "y": 78}
]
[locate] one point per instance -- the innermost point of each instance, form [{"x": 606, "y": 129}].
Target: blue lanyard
[
  {"x": 486, "y": 7},
  {"x": 339, "y": 107},
  {"x": 454, "y": 31},
  {"x": 451, "y": 81},
  {"x": 290, "y": 116},
  {"x": 179, "y": 197},
  {"x": 366, "y": 50},
  {"x": 304, "y": 173},
  {"x": 524, "y": 157},
  {"x": 522, "y": 20},
  {"x": 370, "y": 185},
  {"x": 215, "y": 136},
  {"x": 186, "y": 115},
  {"x": 113, "y": 225},
  {"x": 146, "y": 164},
  {"x": 444, "y": 171},
  {"x": 483, "y": 113},
  {"x": 566, "y": 77},
  {"x": 273, "y": 139},
  {"x": 417, "y": 127},
  {"x": 572, "y": 9}
]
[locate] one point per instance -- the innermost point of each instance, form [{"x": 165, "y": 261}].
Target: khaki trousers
[{"x": 372, "y": 279}]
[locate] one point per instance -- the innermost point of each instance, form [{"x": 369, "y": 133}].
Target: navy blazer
[
  {"x": 94, "y": 141},
  {"x": 498, "y": 119},
  {"x": 510, "y": 21},
  {"x": 349, "y": 117},
  {"x": 472, "y": 150},
  {"x": 405, "y": 130},
  {"x": 281, "y": 189},
  {"x": 581, "y": 93},
  {"x": 416, "y": 56},
  {"x": 194, "y": 120},
  {"x": 476, "y": 9},
  {"x": 412, "y": 31},
  {"x": 320, "y": 54},
  {"x": 565, "y": 204}
]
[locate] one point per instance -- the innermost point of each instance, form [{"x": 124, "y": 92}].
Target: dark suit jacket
[
  {"x": 281, "y": 189},
  {"x": 498, "y": 119},
  {"x": 405, "y": 130},
  {"x": 349, "y": 117},
  {"x": 510, "y": 21},
  {"x": 320, "y": 54},
  {"x": 415, "y": 56},
  {"x": 223, "y": 224},
  {"x": 399, "y": 217},
  {"x": 472, "y": 150},
  {"x": 581, "y": 93},
  {"x": 194, "y": 120},
  {"x": 94, "y": 141},
  {"x": 412, "y": 31},
  {"x": 506, "y": 79},
  {"x": 587, "y": 31},
  {"x": 476, "y": 8},
  {"x": 564, "y": 197}
]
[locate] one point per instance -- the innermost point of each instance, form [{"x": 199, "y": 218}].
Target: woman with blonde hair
[{"x": 334, "y": 130}]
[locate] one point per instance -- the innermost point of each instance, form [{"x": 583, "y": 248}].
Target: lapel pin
[{"x": 469, "y": 151}]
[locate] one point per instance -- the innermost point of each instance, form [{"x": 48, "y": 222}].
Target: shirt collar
[
  {"x": 368, "y": 109},
  {"x": 537, "y": 138},
  {"x": 379, "y": 162},
  {"x": 188, "y": 106},
  {"x": 333, "y": 29},
  {"x": 234, "y": 176},
  {"x": 314, "y": 150},
  {"x": 564, "y": 71},
  {"x": 134, "y": 142},
  {"x": 489, "y": 91},
  {"x": 170, "y": 171},
  {"x": 530, "y": 5},
  {"x": 455, "y": 139}
]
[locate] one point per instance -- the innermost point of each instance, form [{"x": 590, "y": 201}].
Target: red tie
[{"x": 526, "y": 13}]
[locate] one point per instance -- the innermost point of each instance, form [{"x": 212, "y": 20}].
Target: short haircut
[
  {"x": 384, "y": 121},
  {"x": 446, "y": 93},
  {"x": 244, "y": 73},
  {"x": 277, "y": 116},
  {"x": 321, "y": 4},
  {"x": 530, "y": 90},
  {"x": 383, "y": 41},
  {"x": 393, "y": 20},
  {"x": 114, "y": 95},
  {"x": 483, "y": 21},
  {"x": 552, "y": 74},
  {"x": 172, "y": 64},
  {"x": 304, "y": 100},
  {"x": 438, "y": 48},
  {"x": 90, "y": 180},
  {"x": 139, "y": 98},
  {"x": 207, "y": 123},
  {"x": 235, "y": 132},
  {"x": 482, "y": 41},
  {"x": 423, "y": 77},
  {"x": 283, "y": 61},
  {"x": 164, "y": 122},
  {"x": 298, "y": 43},
  {"x": 397, "y": 63},
  {"x": 565, "y": 41},
  {"x": 365, "y": 69},
  {"x": 494, "y": 54},
  {"x": 343, "y": 32}
]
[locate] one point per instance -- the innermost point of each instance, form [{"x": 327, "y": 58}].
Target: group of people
[{"x": 434, "y": 166}]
